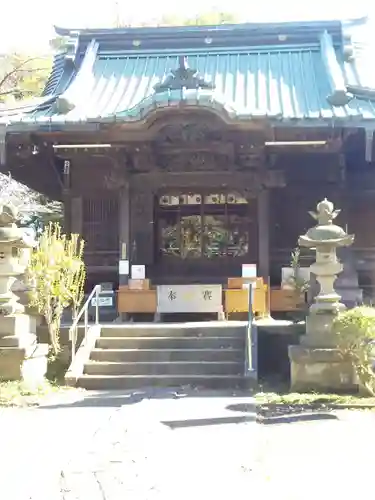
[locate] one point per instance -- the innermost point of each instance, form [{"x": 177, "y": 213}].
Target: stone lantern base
[
  {"x": 316, "y": 364},
  {"x": 320, "y": 369},
  {"x": 21, "y": 357}
]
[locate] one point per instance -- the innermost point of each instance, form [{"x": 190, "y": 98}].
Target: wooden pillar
[
  {"x": 263, "y": 235},
  {"x": 124, "y": 229},
  {"x": 67, "y": 198},
  {"x": 77, "y": 219},
  {"x": 142, "y": 224}
]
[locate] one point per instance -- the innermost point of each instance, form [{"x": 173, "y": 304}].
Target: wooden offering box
[
  {"x": 237, "y": 301},
  {"x": 238, "y": 283},
  {"x": 139, "y": 284},
  {"x": 136, "y": 301},
  {"x": 285, "y": 300}
]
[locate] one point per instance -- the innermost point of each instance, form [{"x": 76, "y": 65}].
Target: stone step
[
  {"x": 100, "y": 382},
  {"x": 19, "y": 341},
  {"x": 219, "y": 329},
  {"x": 157, "y": 355},
  {"x": 170, "y": 342},
  {"x": 180, "y": 368}
]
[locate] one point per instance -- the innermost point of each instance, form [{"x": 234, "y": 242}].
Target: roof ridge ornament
[{"x": 183, "y": 77}]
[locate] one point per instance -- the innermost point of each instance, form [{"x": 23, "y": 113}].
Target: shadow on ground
[
  {"x": 118, "y": 398},
  {"x": 242, "y": 407},
  {"x": 201, "y": 422},
  {"x": 290, "y": 419}
]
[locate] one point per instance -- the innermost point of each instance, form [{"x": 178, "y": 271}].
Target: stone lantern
[
  {"x": 20, "y": 354},
  {"x": 316, "y": 364},
  {"x": 325, "y": 238}
]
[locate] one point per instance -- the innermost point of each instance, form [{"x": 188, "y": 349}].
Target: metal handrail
[
  {"x": 250, "y": 366},
  {"x": 84, "y": 311}
]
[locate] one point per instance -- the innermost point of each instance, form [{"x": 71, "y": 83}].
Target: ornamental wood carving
[
  {"x": 198, "y": 161},
  {"x": 90, "y": 173},
  {"x": 251, "y": 182},
  {"x": 184, "y": 133}
]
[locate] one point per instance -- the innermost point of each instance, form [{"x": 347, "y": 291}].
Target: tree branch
[
  {"x": 15, "y": 91},
  {"x": 18, "y": 68}
]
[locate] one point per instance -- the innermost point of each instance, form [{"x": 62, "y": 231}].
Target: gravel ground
[{"x": 166, "y": 445}]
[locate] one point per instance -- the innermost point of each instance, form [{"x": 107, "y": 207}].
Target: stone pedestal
[
  {"x": 320, "y": 369},
  {"x": 316, "y": 364},
  {"x": 21, "y": 357}
]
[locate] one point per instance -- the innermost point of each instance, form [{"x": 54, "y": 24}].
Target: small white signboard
[
  {"x": 138, "y": 272},
  {"x": 249, "y": 270},
  {"x": 123, "y": 268},
  {"x": 189, "y": 298},
  {"x": 103, "y": 301}
]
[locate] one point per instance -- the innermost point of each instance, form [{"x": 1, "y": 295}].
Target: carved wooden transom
[
  {"x": 193, "y": 161},
  {"x": 188, "y": 133}
]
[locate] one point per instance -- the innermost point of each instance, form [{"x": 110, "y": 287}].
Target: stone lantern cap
[
  {"x": 325, "y": 233},
  {"x": 10, "y": 234}
]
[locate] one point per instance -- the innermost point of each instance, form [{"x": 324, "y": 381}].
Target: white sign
[
  {"x": 138, "y": 272},
  {"x": 189, "y": 298},
  {"x": 249, "y": 270},
  {"x": 103, "y": 302},
  {"x": 123, "y": 267}
]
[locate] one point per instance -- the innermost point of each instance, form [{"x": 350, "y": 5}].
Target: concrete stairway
[{"x": 127, "y": 356}]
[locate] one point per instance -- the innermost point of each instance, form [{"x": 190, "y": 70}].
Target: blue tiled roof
[{"x": 292, "y": 72}]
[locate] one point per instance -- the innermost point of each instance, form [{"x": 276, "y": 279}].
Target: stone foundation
[
  {"x": 21, "y": 357},
  {"x": 24, "y": 364},
  {"x": 320, "y": 369}
]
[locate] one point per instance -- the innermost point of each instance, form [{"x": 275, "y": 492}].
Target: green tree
[
  {"x": 355, "y": 336},
  {"x": 22, "y": 76},
  {"x": 58, "y": 43},
  {"x": 56, "y": 275},
  {"x": 213, "y": 17},
  {"x": 208, "y": 18}
]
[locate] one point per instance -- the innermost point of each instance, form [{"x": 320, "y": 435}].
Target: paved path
[
  {"x": 318, "y": 459},
  {"x": 112, "y": 444},
  {"x": 163, "y": 445}
]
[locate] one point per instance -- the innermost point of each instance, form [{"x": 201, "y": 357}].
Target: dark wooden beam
[{"x": 263, "y": 235}]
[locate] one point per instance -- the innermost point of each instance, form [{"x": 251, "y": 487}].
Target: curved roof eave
[{"x": 299, "y": 30}]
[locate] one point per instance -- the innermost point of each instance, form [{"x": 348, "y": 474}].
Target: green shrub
[{"x": 355, "y": 333}]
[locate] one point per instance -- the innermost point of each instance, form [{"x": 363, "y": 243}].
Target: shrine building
[{"x": 195, "y": 150}]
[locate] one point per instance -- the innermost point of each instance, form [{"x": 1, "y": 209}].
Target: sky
[{"x": 27, "y": 25}]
